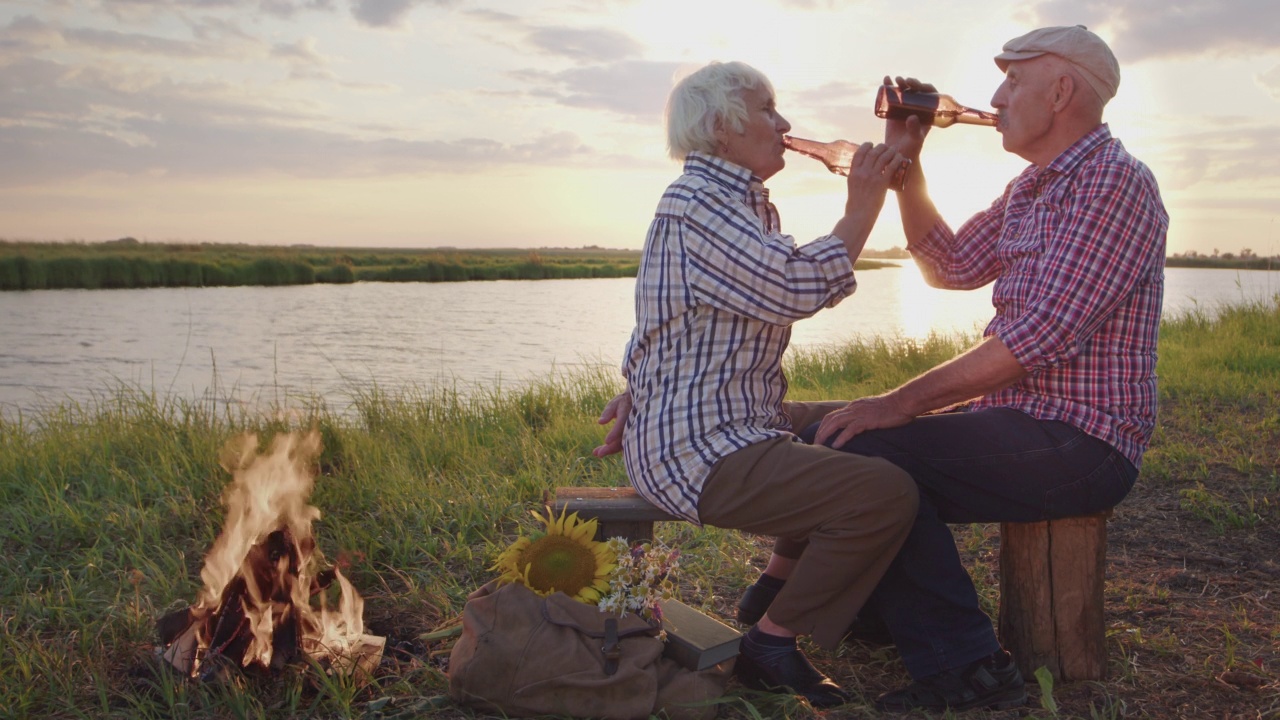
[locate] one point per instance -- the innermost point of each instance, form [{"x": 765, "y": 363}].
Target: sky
[{"x": 539, "y": 123}]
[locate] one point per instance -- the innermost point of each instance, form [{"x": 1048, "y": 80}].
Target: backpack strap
[{"x": 612, "y": 649}]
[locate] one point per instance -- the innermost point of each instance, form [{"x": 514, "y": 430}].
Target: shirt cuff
[
  {"x": 832, "y": 257},
  {"x": 1019, "y": 336}
]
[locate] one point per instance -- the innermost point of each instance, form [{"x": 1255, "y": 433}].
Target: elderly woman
[{"x": 703, "y": 426}]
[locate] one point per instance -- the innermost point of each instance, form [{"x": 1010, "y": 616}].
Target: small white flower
[{"x": 645, "y": 575}]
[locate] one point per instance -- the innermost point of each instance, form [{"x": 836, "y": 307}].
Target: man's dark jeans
[{"x": 994, "y": 465}]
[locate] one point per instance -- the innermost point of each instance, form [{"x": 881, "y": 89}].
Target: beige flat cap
[{"x": 1075, "y": 44}]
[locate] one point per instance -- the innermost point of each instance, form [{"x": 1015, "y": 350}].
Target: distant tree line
[
  {"x": 128, "y": 263},
  {"x": 1246, "y": 259}
]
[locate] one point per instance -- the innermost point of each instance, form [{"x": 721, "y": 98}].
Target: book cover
[{"x": 694, "y": 640}]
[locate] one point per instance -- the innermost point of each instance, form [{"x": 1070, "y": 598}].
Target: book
[{"x": 694, "y": 640}]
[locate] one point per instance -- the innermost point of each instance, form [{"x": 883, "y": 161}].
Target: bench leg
[
  {"x": 636, "y": 531},
  {"x": 1051, "y": 596}
]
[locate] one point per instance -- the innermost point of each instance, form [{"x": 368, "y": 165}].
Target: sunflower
[{"x": 563, "y": 557}]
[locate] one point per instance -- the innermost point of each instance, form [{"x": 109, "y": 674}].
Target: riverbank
[
  {"x": 1226, "y": 262},
  {"x": 128, "y": 263},
  {"x": 109, "y": 508}
]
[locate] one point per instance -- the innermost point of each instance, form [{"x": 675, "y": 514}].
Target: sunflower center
[{"x": 559, "y": 563}]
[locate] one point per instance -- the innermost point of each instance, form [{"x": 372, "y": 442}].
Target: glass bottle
[
  {"x": 935, "y": 109},
  {"x": 838, "y": 157}
]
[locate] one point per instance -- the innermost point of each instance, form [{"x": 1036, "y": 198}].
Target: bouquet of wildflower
[{"x": 644, "y": 575}]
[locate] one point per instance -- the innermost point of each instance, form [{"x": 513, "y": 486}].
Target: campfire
[{"x": 265, "y": 601}]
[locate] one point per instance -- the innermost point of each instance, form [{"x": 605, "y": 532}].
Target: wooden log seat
[{"x": 1051, "y": 601}]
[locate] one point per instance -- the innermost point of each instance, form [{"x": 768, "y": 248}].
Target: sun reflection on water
[{"x": 927, "y": 309}]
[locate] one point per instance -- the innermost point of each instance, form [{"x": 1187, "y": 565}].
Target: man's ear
[{"x": 1063, "y": 89}]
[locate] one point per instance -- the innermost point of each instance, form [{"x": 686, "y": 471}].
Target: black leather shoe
[
  {"x": 791, "y": 673},
  {"x": 993, "y": 682},
  {"x": 755, "y": 600}
]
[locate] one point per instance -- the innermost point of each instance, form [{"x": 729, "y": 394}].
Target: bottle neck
[{"x": 978, "y": 117}]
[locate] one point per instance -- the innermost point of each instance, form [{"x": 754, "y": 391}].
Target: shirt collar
[
  {"x": 733, "y": 177},
  {"x": 1081, "y": 149}
]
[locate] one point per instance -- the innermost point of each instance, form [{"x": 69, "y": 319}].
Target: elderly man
[{"x": 1064, "y": 381}]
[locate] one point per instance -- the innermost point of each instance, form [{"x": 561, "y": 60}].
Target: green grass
[
  {"x": 1218, "y": 376},
  {"x": 106, "y": 511}
]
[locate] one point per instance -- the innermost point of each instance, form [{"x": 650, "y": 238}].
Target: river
[{"x": 278, "y": 346}]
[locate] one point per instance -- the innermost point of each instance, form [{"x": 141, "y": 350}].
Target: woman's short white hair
[{"x": 710, "y": 94}]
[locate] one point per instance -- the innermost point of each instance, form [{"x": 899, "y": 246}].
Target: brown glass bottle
[
  {"x": 894, "y": 103},
  {"x": 838, "y": 157}
]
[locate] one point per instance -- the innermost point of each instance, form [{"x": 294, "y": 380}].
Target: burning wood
[{"x": 264, "y": 598}]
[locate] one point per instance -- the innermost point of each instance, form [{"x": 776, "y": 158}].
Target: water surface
[{"x": 280, "y": 345}]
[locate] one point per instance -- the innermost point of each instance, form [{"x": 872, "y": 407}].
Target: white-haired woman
[{"x": 703, "y": 428}]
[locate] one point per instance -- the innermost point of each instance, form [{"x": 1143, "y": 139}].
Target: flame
[{"x": 268, "y": 546}]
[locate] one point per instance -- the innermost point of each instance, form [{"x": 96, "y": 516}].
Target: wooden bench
[
  {"x": 619, "y": 511},
  {"x": 1051, "y": 578}
]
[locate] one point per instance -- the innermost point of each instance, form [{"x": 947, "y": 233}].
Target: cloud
[
  {"x": 145, "y": 8},
  {"x": 381, "y": 13},
  {"x": 27, "y": 36},
  {"x": 495, "y": 16},
  {"x": 218, "y": 29},
  {"x": 136, "y": 146},
  {"x": 635, "y": 88},
  {"x": 60, "y": 123},
  {"x": 388, "y": 13},
  {"x": 1271, "y": 81},
  {"x": 289, "y": 8},
  {"x": 585, "y": 45},
  {"x": 1146, "y": 29},
  {"x": 590, "y": 45},
  {"x": 834, "y": 109},
  {"x": 110, "y": 41},
  {"x": 463, "y": 155},
  {"x": 370, "y": 13},
  {"x": 1234, "y": 151},
  {"x": 302, "y": 52},
  {"x": 811, "y": 4},
  {"x": 305, "y": 62}
]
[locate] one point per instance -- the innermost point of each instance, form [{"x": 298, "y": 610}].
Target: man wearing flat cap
[{"x": 1064, "y": 378}]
